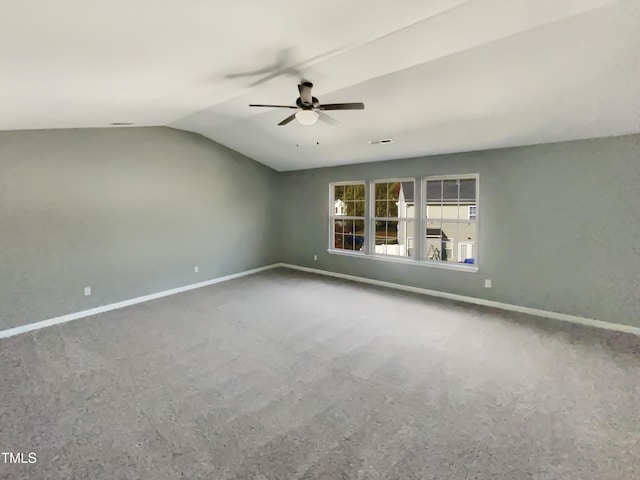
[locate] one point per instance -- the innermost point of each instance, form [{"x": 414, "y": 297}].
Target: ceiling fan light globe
[{"x": 307, "y": 117}]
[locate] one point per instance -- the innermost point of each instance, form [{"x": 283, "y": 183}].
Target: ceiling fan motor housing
[{"x": 314, "y": 103}]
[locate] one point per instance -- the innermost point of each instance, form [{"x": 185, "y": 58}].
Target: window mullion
[
  {"x": 369, "y": 223},
  {"x": 419, "y": 224}
]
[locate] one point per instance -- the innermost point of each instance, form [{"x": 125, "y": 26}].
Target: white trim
[
  {"x": 347, "y": 252},
  {"x": 453, "y": 176},
  {"x": 461, "y": 267},
  {"x": 348, "y": 182},
  {"x": 394, "y": 180},
  {"x": 126, "y": 303},
  {"x": 477, "y": 301}
]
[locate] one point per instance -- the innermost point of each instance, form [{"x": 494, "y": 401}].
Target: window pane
[
  {"x": 381, "y": 208},
  {"x": 354, "y": 240},
  {"x": 393, "y": 191},
  {"x": 440, "y": 241},
  {"x": 433, "y": 208},
  {"x": 350, "y": 209},
  {"x": 349, "y": 192},
  {"x": 394, "y": 238},
  {"x": 359, "y": 192},
  {"x": 393, "y": 199},
  {"x": 380, "y": 191},
  {"x": 359, "y": 209},
  {"x": 450, "y": 201},
  {"x": 434, "y": 240},
  {"x": 393, "y": 209},
  {"x": 408, "y": 192},
  {"x": 453, "y": 211},
  {"x": 434, "y": 191},
  {"x": 386, "y": 232},
  {"x": 349, "y": 242},
  {"x": 460, "y": 212},
  {"x": 338, "y": 229},
  {"x": 468, "y": 190},
  {"x": 405, "y": 200},
  {"x": 348, "y": 234},
  {"x": 434, "y": 211},
  {"x": 451, "y": 242},
  {"x": 450, "y": 191},
  {"x": 339, "y": 226},
  {"x": 408, "y": 237},
  {"x": 467, "y": 246},
  {"x": 338, "y": 192}
]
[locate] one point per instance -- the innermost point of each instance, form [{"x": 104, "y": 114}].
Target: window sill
[{"x": 406, "y": 261}]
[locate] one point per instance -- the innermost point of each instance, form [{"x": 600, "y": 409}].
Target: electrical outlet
[
  {"x": 487, "y": 283},
  {"x": 315, "y": 258},
  {"x": 87, "y": 291},
  {"x": 196, "y": 269}
]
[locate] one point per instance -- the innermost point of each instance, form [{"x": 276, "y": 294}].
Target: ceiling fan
[{"x": 310, "y": 110}]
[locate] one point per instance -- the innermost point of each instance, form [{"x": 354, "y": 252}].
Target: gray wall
[
  {"x": 559, "y": 231},
  {"x": 128, "y": 212}
]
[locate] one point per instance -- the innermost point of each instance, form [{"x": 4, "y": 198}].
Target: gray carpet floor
[{"x": 285, "y": 375}]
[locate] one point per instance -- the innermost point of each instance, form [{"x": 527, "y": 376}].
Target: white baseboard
[
  {"x": 450, "y": 296},
  {"x": 478, "y": 301},
  {"x": 125, "y": 303}
]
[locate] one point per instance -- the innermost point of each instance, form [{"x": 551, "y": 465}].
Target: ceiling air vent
[
  {"x": 383, "y": 141},
  {"x": 121, "y": 123}
]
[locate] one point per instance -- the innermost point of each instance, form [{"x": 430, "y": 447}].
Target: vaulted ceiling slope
[{"x": 437, "y": 76}]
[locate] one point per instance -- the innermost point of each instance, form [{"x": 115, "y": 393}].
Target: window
[
  {"x": 347, "y": 218},
  {"x": 430, "y": 221},
  {"x": 393, "y": 217},
  {"x": 451, "y": 219}
]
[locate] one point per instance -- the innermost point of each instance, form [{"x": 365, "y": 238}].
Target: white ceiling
[{"x": 436, "y": 75}]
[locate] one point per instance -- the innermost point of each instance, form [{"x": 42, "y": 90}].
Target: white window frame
[
  {"x": 333, "y": 217},
  {"x": 373, "y": 219},
  {"x": 419, "y": 219},
  {"x": 475, "y": 215},
  {"x": 457, "y": 266}
]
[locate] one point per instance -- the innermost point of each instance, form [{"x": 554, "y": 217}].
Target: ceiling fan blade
[
  {"x": 273, "y": 106},
  {"x": 327, "y": 119},
  {"x": 342, "y": 106},
  {"x": 288, "y": 119}
]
